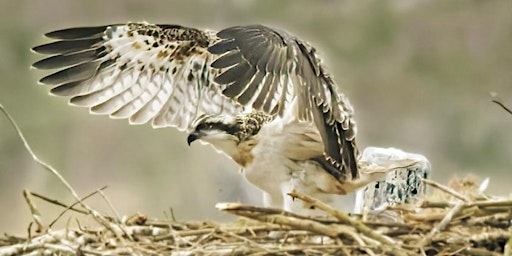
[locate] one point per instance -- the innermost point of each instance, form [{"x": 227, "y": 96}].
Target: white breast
[{"x": 282, "y": 163}]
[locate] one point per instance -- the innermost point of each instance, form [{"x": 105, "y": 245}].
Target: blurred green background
[{"x": 417, "y": 72}]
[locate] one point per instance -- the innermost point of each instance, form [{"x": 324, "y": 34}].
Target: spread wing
[
  {"x": 267, "y": 69},
  {"x": 169, "y": 75},
  {"x": 144, "y": 72}
]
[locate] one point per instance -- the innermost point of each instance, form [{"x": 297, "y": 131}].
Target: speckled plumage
[
  {"x": 237, "y": 89},
  {"x": 250, "y": 124}
]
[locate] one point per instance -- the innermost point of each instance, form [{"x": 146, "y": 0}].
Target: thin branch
[
  {"x": 447, "y": 190},
  {"x": 121, "y": 225},
  {"x": 173, "y": 218},
  {"x": 98, "y": 217},
  {"x": 71, "y": 207},
  {"x": 110, "y": 205},
  {"x": 58, "y": 203},
  {"x": 495, "y": 99},
  {"x": 34, "y": 156},
  {"x": 261, "y": 214},
  {"x": 442, "y": 225},
  {"x": 344, "y": 218},
  {"x": 36, "y": 215}
]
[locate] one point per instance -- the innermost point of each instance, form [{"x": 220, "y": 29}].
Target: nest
[
  {"x": 447, "y": 223},
  {"x": 454, "y": 220}
]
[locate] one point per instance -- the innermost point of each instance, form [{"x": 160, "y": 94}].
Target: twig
[
  {"x": 260, "y": 213},
  {"x": 70, "y": 207},
  {"x": 504, "y": 204},
  {"x": 34, "y": 156},
  {"x": 447, "y": 190},
  {"x": 98, "y": 217},
  {"x": 173, "y": 218},
  {"x": 110, "y": 205},
  {"x": 441, "y": 225},
  {"x": 246, "y": 240},
  {"x": 57, "y": 202},
  {"x": 486, "y": 204},
  {"x": 36, "y": 215},
  {"x": 480, "y": 252},
  {"x": 267, "y": 210},
  {"x": 121, "y": 225},
  {"x": 495, "y": 99},
  {"x": 344, "y": 218},
  {"x": 435, "y": 204}
]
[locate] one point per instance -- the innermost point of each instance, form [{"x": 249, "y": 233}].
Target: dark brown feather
[
  {"x": 79, "y": 72},
  {"x": 70, "y": 59},
  {"x": 67, "y": 46},
  {"x": 77, "y": 33}
]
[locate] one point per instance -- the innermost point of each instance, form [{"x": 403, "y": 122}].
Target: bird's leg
[{"x": 272, "y": 201}]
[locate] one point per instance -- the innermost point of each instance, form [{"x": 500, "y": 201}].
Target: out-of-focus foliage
[{"x": 418, "y": 73}]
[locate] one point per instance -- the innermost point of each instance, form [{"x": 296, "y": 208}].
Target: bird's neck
[
  {"x": 244, "y": 156},
  {"x": 240, "y": 153},
  {"x": 250, "y": 125}
]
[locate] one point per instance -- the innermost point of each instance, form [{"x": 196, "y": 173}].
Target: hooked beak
[{"x": 193, "y": 137}]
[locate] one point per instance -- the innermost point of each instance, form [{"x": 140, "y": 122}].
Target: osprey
[{"x": 260, "y": 96}]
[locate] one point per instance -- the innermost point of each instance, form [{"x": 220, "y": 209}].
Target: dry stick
[
  {"x": 435, "y": 204},
  {"x": 301, "y": 250},
  {"x": 34, "y": 156},
  {"x": 246, "y": 240},
  {"x": 52, "y": 170},
  {"x": 449, "y": 216},
  {"x": 70, "y": 207},
  {"x": 173, "y": 218},
  {"x": 495, "y": 99},
  {"x": 480, "y": 252},
  {"x": 36, "y": 215},
  {"x": 447, "y": 190},
  {"x": 344, "y": 218},
  {"x": 110, "y": 205},
  {"x": 442, "y": 225},
  {"x": 254, "y": 213},
  {"x": 302, "y": 223},
  {"x": 56, "y": 202},
  {"x": 199, "y": 232},
  {"x": 486, "y": 204},
  {"x": 269, "y": 211},
  {"x": 118, "y": 218},
  {"x": 502, "y": 204}
]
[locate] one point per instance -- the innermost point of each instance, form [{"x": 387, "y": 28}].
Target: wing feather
[
  {"x": 67, "y": 46},
  {"x": 139, "y": 71},
  {"x": 70, "y": 59},
  {"x": 286, "y": 68},
  {"x": 75, "y": 33}
]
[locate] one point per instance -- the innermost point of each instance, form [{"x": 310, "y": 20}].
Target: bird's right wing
[{"x": 146, "y": 73}]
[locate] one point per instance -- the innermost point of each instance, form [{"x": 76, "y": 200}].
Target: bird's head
[{"x": 218, "y": 130}]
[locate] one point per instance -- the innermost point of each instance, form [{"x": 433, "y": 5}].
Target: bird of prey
[{"x": 259, "y": 95}]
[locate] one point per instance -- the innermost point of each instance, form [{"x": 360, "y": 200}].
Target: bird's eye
[
  {"x": 204, "y": 126},
  {"x": 201, "y": 126}
]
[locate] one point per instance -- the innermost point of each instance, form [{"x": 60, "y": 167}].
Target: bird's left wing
[
  {"x": 147, "y": 73},
  {"x": 267, "y": 69}
]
